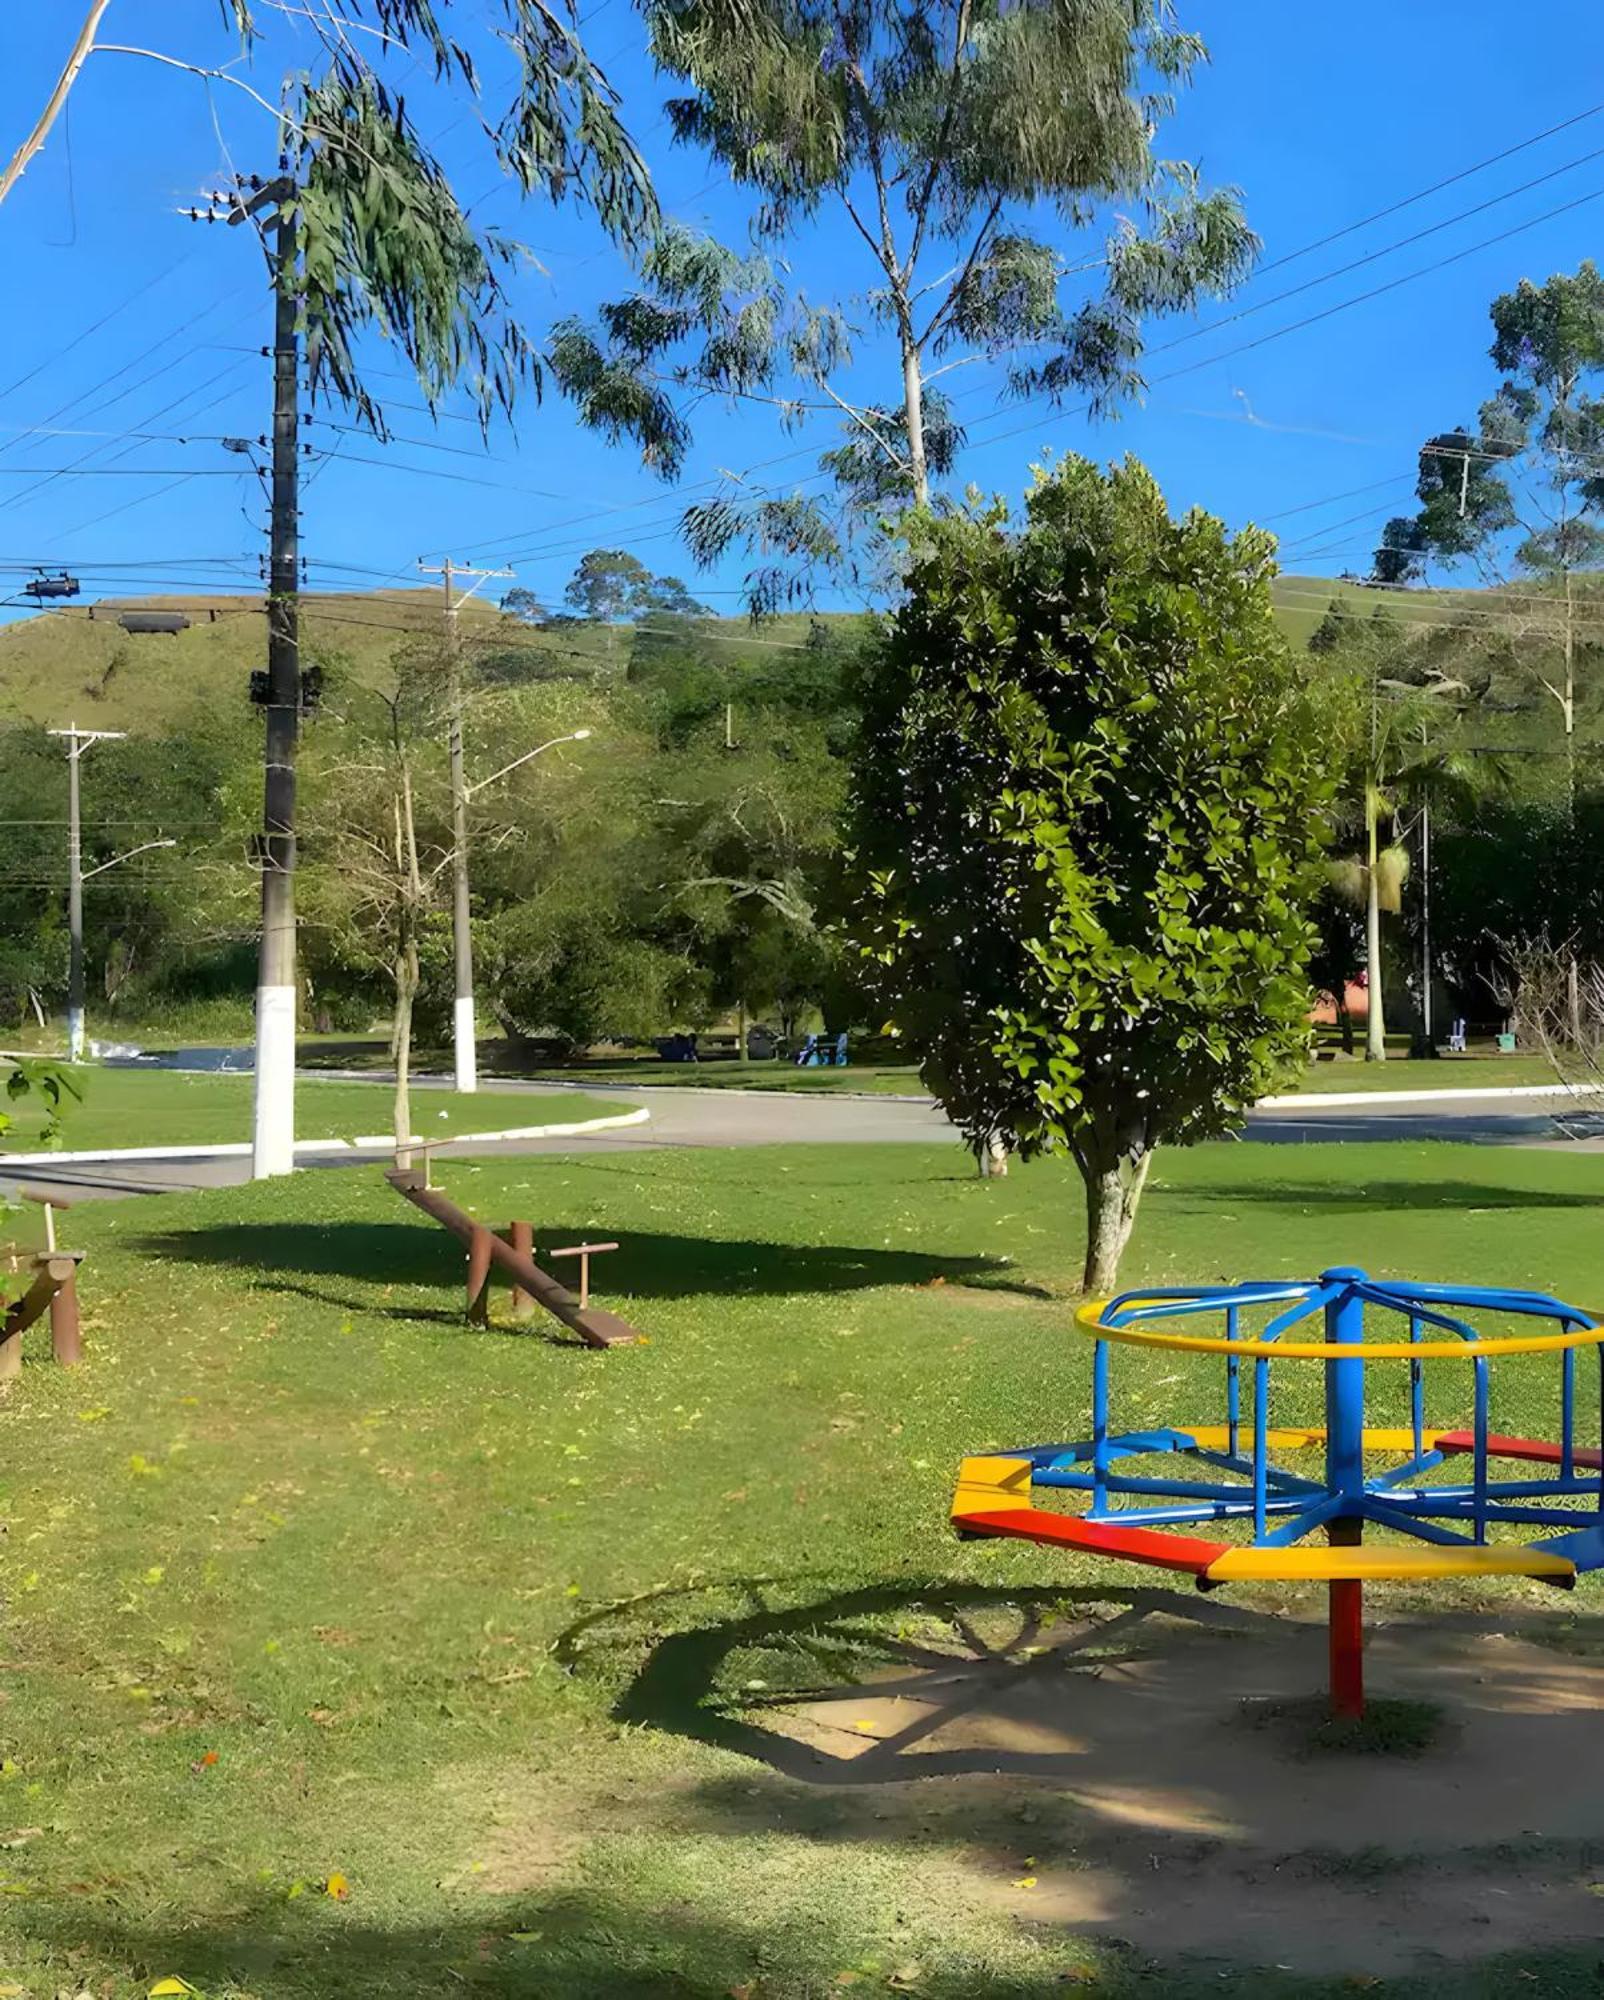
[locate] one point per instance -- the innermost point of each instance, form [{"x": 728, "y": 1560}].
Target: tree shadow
[
  {"x": 1399, "y": 1196},
  {"x": 682, "y": 1685},
  {"x": 593, "y": 1942},
  {"x": 649, "y": 1265}
]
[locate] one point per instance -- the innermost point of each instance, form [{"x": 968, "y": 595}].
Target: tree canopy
[
  {"x": 949, "y": 137},
  {"x": 1085, "y": 822}
]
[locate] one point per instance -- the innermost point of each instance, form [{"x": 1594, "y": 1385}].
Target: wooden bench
[{"x": 513, "y": 1252}]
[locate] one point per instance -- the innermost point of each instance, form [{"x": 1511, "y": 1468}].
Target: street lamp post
[
  {"x": 506, "y": 771},
  {"x": 78, "y": 741}
]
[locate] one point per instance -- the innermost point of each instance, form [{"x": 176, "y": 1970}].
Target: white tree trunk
[
  {"x": 913, "y": 416},
  {"x": 1113, "y": 1194},
  {"x": 1375, "y": 1011}
]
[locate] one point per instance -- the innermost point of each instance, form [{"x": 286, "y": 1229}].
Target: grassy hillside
[{"x": 72, "y": 663}]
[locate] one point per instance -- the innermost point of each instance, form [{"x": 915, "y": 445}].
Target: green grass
[
  {"x": 302, "y": 1578},
  {"x": 1389, "y": 1727},
  {"x": 1444, "y": 1073},
  {"x": 122, "y": 1107}
]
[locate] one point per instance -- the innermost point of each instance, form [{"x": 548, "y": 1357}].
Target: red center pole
[{"x": 1347, "y": 1629}]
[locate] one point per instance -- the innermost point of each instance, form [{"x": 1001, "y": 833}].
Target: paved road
[{"x": 690, "y": 1117}]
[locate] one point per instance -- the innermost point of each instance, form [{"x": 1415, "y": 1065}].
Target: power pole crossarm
[{"x": 463, "y": 1027}]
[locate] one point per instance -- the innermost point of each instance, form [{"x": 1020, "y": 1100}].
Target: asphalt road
[{"x": 690, "y": 1117}]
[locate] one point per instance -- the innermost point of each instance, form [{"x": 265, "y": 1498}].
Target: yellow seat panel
[
  {"x": 985, "y": 1484},
  {"x": 1419, "y": 1564}
]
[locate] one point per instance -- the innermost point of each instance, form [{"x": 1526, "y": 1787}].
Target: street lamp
[
  {"x": 78, "y": 741},
  {"x": 574, "y": 736},
  {"x": 466, "y": 1049}
]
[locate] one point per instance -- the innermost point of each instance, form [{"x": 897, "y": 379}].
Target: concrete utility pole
[
  {"x": 273, "y": 1122},
  {"x": 463, "y": 1045},
  {"x": 78, "y": 741}
]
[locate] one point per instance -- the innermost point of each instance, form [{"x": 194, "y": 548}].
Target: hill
[{"x": 79, "y": 664}]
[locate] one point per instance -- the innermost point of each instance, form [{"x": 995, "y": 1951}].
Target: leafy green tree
[
  {"x": 1085, "y": 817},
  {"x": 610, "y": 585},
  {"x": 1520, "y": 494},
  {"x": 524, "y": 605},
  {"x": 607, "y": 584},
  {"x": 941, "y": 136},
  {"x": 385, "y": 241}
]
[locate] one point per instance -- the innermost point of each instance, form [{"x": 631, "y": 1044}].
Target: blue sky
[{"x": 1321, "y": 115}]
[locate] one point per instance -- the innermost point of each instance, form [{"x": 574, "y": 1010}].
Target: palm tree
[{"x": 1381, "y": 728}]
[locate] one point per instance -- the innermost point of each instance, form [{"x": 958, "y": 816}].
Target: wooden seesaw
[{"x": 512, "y": 1251}]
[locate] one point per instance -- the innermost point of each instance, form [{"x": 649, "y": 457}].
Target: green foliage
[
  {"x": 612, "y": 584},
  {"x": 1084, "y": 820},
  {"x": 383, "y": 241},
  {"x": 1531, "y": 463},
  {"x": 942, "y": 136},
  {"x": 50, "y": 1085}
]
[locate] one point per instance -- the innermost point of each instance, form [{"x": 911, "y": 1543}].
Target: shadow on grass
[
  {"x": 1400, "y": 1197},
  {"x": 649, "y": 1265},
  {"x": 597, "y": 1942},
  {"x": 699, "y": 1683}
]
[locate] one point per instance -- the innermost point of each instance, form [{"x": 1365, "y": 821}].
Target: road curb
[
  {"x": 1316, "y": 1100},
  {"x": 382, "y": 1142}
]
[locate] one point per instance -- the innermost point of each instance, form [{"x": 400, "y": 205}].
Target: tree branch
[
  {"x": 82, "y": 49},
  {"x": 955, "y": 290},
  {"x": 921, "y": 208}
]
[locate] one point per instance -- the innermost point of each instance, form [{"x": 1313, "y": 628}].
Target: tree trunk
[
  {"x": 406, "y": 986},
  {"x": 1344, "y": 1020},
  {"x": 992, "y": 1159},
  {"x": 741, "y": 1050},
  {"x": 1113, "y": 1193},
  {"x": 407, "y": 971},
  {"x": 1375, "y": 1012},
  {"x": 913, "y": 417}
]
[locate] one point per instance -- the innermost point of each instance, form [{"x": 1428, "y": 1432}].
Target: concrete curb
[
  {"x": 382, "y": 1142},
  {"x": 1315, "y": 1100}
]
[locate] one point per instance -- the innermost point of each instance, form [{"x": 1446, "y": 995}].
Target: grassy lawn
[
  {"x": 309, "y": 1588},
  {"x": 1445, "y": 1073},
  {"x": 125, "y": 1107}
]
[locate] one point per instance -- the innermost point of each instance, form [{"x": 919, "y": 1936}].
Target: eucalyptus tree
[
  {"x": 392, "y": 232},
  {"x": 993, "y": 178},
  {"x": 1519, "y": 496}
]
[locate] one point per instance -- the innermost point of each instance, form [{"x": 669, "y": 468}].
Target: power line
[{"x": 1424, "y": 194}]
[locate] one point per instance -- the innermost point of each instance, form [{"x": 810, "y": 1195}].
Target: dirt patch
[{"x": 1110, "y": 1785}]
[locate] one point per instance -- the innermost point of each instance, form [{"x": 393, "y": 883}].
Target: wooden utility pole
[{"x": 465, "y": 1060}]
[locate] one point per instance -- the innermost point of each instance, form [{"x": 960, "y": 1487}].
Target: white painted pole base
[
  {"x": 75, "y": 1034},
  {"x": 273, "y": 1131},
  {"x": 463, "y": 1048}
]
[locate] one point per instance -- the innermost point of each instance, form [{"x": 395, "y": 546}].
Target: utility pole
[
  {"x": 78, "y": 741},
  {"x": 1429, "y": 1040},
  {"x": 273, "y": 1122},
  {"x": 465, "y": 1058}
]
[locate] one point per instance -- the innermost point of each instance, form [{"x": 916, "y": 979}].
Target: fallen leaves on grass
[
  {"x": 337, "y": 1887},
  {"x": 205, "y": 1761}
]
